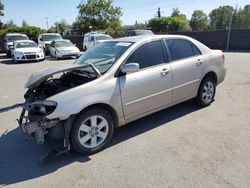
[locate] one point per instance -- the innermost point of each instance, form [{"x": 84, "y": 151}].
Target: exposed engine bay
[
  {"x": 57, "y": 85},
  {"x": 36, "y": 107}
]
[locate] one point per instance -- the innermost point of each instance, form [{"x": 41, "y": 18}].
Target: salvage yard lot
[{"x": 184, "y": 146}]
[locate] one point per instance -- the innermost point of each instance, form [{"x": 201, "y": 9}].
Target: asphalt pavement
[{"x": 183, "y": 146}]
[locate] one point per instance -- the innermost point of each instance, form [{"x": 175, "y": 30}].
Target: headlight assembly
[{"x": 40, "y": 109}]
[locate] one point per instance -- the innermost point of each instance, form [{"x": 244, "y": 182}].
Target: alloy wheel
[{"x": 93, "y": 131}]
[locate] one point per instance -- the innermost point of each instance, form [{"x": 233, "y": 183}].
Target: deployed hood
[{"x": 37, "y": 78}]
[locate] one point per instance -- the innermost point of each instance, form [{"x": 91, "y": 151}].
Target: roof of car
[
  {"x": 96, "y": 34},
  {"x": 147, "y": 37},
  {"x": 50, "y": 34},
  {"x": 15, "y": 34},
  {"x": 58, "y": 40},
  {"x": 24, "y": 41}
]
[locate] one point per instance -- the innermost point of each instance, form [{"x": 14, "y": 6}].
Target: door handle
[
  {"x": 199, "y": 62},
  {"x": 165, "y": 71}
]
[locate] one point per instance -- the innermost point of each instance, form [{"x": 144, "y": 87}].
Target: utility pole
[
  {"x": 229, "y": 30},
  {"x": 47, "y": 22},
  {"x": 159, "y": 12}
]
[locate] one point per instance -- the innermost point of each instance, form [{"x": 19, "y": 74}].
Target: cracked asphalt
[{"x": 183, "y": 146}]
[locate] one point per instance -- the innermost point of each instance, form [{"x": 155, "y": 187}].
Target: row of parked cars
[{"x": 21, "y": 48}]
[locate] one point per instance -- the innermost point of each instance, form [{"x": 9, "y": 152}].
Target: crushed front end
[{"x": 33, "y": 118}]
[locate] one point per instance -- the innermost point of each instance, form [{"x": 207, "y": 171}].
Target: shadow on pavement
[
  {"x": 19, "y": 159},
  {"x": 10, "y": 62}
]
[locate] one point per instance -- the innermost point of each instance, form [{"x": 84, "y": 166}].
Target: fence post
[{"x": 229, "y": 31}]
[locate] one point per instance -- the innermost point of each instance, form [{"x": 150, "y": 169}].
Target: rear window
[{"x": 180, "y": 49}]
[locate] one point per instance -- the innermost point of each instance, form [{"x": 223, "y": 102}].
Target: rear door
[
  {"x": 149, "y": 88},
  {"x": 187, "y": 66}
]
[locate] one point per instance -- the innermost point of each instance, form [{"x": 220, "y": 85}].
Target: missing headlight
[{"x": 40, "y": 109}]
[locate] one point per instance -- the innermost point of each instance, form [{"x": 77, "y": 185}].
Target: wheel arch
[
  {"x": 105, "y": 107},
  {"x": 211, "y": 74}
]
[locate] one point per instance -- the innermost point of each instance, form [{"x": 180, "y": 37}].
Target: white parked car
[
  {"x": 9, "y": 39},
  {"x": 90, "y": 39},
  {"x": 44, "y": 40},
  {"x": 116, "y": 82},
  {"x": 63, "y": 48},
  {"x": 26, "y": 50}
]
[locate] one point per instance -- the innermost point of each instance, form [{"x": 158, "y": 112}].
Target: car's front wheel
[
  {"x": 92, "y": 131},
  {"x": 206, "y": 92}
]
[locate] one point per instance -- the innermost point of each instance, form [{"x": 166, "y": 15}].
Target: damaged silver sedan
[{"x": 117, "y": 82}]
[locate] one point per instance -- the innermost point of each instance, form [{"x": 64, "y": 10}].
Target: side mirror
[
  {"x": 41, "y": 39},
  {"x": 130, "y": 67},
  {"x": 11, "y": 47}
]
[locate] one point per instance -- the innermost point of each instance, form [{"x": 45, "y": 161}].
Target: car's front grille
[{"x": 30, "y": 56}]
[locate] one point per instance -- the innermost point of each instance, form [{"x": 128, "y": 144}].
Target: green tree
[
  {"x": 60, "y": 27},
  {"x": 1, "y": 8},
  {"x": 244, "y": 18},
  {"x": 9, "y": 23},
  {"x": 199, "y": 21},
  {"x": 115, "y": 29},
  {"x": 24, "y": 23},
  {"x": 96, "y": 15},
  {"x": 219, "y": 17},
  {"x": 171, "y": 23},
  {"x": 176, "y": 13}
]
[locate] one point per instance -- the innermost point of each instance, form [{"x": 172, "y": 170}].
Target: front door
[{"x": 149, "y": 88}]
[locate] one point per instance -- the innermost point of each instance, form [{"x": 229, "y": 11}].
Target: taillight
[{"x": 223, "y": 57}]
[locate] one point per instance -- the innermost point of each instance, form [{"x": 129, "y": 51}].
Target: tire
[
  {"x": 9, "y": 54},
  {"x": 206, "y": 92},
  {"x": 14, "y": 59},
  {"x": 86, "y": 136},
  {"x": 57, "y": 58}
]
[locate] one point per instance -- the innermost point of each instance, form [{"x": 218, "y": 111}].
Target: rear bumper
[{"x": 221, "y": 75}]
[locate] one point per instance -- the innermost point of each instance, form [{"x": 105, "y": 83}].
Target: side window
[
  {"x": 179, "y": 49},
  {"x": 196, "y": 50},
  {"x": 147, "y": 55}
]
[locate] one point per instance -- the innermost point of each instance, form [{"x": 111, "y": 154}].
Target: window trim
[
  {"x": 166, "y": 57},
  {"x": 169, "y": 54},
  {"x": 163, "y": 50}
]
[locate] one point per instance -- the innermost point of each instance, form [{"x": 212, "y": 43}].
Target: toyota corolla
[{"x": 116, "y": 82}]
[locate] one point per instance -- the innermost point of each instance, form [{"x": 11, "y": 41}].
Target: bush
[
  {"x": 171, "y": 23},
  {"x": 30, "y": 31}
]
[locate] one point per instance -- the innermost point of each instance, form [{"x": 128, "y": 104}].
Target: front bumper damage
[{"x": 33, "y": 121}]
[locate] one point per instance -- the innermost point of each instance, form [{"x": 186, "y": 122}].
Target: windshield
[
  {"x": 15, "y": 38},
  {"x": 103, "y": 55},
  {"x": 26, "y": 45},
  {"x": 63, "y": 43},
  {"x": 51, "y": 37}
]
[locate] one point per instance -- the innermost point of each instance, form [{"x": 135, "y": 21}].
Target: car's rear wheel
[
  {"x": 206, "y": 92},
  {"x": 92, "y": 131}
]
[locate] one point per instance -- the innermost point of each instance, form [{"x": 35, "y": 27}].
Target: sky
[{"x": 34, "y": 12}]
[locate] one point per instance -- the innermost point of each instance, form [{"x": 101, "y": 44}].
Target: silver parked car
[{"x": 116, "y": 82}]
